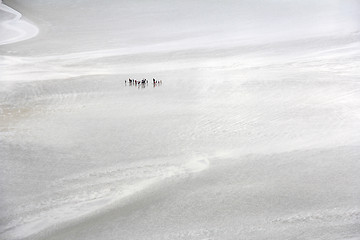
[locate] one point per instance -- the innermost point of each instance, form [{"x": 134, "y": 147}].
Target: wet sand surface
[{"x": 251, "y": 135}]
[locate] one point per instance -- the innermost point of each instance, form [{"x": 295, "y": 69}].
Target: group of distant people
[{"x": 144, "y": 82}]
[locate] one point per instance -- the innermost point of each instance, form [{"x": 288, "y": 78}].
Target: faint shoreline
[{"x": 15, "y": 29}]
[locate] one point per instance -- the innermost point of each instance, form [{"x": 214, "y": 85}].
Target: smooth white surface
[
  {"x": 13, "y": 27},
  {"x": 252, "y": 135}
]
